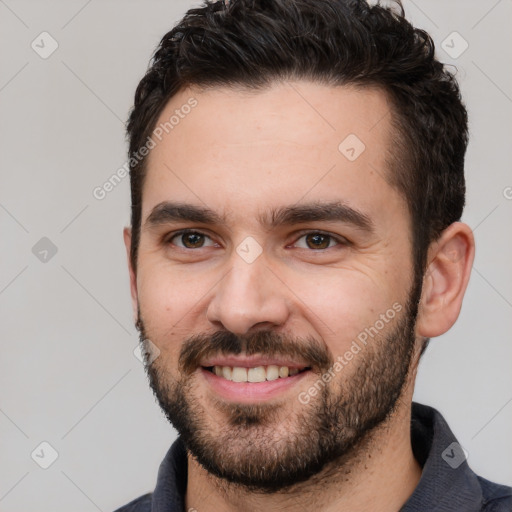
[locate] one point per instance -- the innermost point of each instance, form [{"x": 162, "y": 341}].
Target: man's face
[{"x": 283, "y": 313}]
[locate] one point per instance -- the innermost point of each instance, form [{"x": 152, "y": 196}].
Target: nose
[{"x": 248, "y": 298}]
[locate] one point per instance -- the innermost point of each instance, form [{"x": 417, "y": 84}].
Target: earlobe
[
  {"x": 127, "y": 235},
  {"x": 450, "y": 260}
]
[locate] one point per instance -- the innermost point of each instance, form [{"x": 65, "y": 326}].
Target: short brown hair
[{"x": 252, "y": 43}]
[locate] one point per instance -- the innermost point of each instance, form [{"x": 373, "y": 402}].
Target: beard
[{"x": 269, "y": 447}]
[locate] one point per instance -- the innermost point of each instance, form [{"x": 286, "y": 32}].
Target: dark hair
[{"x": 253, "y": 43}]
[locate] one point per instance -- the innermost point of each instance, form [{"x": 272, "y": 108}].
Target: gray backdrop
[{"x": 68, "y": 374}]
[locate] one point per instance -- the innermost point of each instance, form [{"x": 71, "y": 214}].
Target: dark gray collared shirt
[{"x": 447, "y": 483}]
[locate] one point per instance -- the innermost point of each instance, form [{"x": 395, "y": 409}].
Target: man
[{"x": 297, "y": 185}]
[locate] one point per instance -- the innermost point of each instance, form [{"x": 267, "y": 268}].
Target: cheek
[
  {"x": 344, "y": 304},
  {"x": 169, "y": 291},
  {"x": 156, "y": 297},
  {"x": 166, "y": 300}
]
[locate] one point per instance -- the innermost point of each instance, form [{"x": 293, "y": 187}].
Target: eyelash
[{"x": 340, "y": 240}]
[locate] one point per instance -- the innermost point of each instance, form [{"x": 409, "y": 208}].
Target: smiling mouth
[{"x": 255, "y": 374}]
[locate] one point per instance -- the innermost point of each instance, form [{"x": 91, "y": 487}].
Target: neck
[{"x": 381, "y": 474}]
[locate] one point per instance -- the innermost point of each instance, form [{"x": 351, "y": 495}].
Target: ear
[
  {"x": 450, "y": 259},
  {"x": 127, "y": 234}
]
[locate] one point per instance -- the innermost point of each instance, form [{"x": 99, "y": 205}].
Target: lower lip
[{"x": 251, "y": 392}]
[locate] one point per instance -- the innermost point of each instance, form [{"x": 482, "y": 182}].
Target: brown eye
[
  {"x": 190, "y": 240},
  {"x": 318, "y": 241}
]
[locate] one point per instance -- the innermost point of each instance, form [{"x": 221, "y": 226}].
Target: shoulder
[
  {"x": 496, "y": 497},
  {"x": 140, "y": 504}
]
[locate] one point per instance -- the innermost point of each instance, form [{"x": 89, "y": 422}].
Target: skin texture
[{"x": 245, "y": 154}]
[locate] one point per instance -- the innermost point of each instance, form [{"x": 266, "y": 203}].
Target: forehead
[{"x": 238, "y": 149}]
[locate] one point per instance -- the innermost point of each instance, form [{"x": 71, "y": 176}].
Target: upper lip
[{"x": 252, "y": 361}]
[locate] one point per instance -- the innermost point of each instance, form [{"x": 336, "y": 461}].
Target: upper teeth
[{"x": 257, "y": 374}]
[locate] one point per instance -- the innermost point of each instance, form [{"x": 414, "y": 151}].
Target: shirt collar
[
  {"x": 171, "y": 485},
  {"x": 447, "y": 483}
]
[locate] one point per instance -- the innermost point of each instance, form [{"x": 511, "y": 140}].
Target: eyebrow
[{"x": 168, "y": 212}]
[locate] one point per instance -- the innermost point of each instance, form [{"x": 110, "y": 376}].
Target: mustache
[{"x": 268, "y": 343}]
